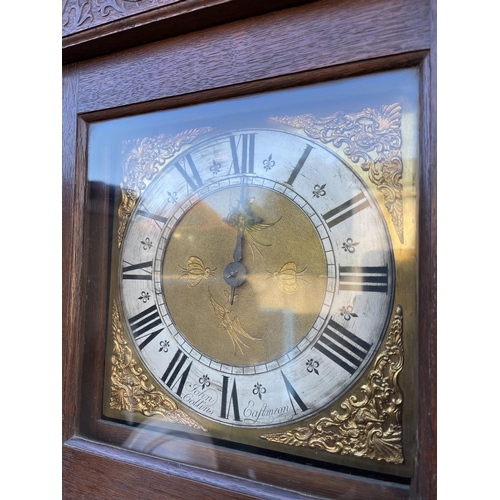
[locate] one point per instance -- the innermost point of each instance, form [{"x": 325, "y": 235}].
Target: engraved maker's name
[{"x": 253, "y": 414}]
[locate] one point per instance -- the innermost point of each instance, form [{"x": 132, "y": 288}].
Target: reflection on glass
[{"x": 261, "y": 252}]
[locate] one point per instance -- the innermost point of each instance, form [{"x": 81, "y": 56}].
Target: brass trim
[
  {"x": 373, "y": 136},
  {"x": 130, "y": 390},
  {"x": 369, "y": 427},
  {"x": 143, "y": 160}
]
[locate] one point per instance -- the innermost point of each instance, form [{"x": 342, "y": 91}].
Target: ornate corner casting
[
  {"x": 130, "y": 390},
  {"x": 369, "y": 427},
  {"x": 372, "y": 136},
  {"x": 143, "y": 160}
]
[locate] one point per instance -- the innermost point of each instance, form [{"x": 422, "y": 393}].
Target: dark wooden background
[{"x": 191, "y": 51}]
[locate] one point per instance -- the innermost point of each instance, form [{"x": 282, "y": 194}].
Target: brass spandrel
[
  {"x": 370, "y": 426},
  {"x": 142, "y": 160},
  {"x": 130, "y": 387},
  {"x": 372, "y": 136}
]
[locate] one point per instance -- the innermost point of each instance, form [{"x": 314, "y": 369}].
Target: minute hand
[
  {"x": 241, "y": 224},
  {"x": 239, "y": 240}
]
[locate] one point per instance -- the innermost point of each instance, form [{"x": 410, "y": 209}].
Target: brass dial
[
  {"x": 281, "y": 294},
  {"x": 257, "y": 277}
]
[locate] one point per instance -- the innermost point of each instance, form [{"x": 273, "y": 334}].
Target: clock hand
[
  {"x": 235, "y": 272},
  {"x": 239, "y": 240},
  {"x": 234, "y": 275}
]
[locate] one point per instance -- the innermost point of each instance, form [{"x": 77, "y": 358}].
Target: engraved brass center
[{"x": 283, "y": 290}]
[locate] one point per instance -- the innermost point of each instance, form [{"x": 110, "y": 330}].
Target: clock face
[{"x": 256, "y": 277}]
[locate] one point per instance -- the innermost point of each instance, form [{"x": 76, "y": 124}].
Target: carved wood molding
[
  {"x": 92, "y": 28},
  {"x": 78, "y": 15}
]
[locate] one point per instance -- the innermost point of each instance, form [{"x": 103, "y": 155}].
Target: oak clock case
[{"x": 257, "y": 286}]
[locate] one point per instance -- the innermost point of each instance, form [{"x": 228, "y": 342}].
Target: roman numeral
[
  {"x": 299, "y": 165},
  {"x": 143, "y": 326},
  {"x": 342, "y": 346},
  {"x": 194, "y": 180},
  {"x": 346, "y": 210},
  {"x": 226, "y": 402},
  {"x": 143, "y": 266},
  {"x": 171, "y": 375},
  {"x": 246, "y": 166},
  {"x": 292, "y": 394},
  {"x": 363, "y": 278},
  {"x": 157, "y": 218}
]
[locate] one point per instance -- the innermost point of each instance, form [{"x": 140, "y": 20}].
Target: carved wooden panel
[
  {"x": 78, "y": 15},
  {"x": 92, "y": 28}
]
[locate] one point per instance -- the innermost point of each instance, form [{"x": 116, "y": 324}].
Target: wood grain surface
[
  {"x": 72, "y": 204},
  {"x": 88, "y": 469},
  {"x": 426, "y": 474},
  {"x": 92, "y": 28},
  {"x": 285, "y": 42}
]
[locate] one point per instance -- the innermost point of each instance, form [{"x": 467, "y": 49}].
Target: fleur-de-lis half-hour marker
[
  {"x": 312, "y": 366},
  {"x": 269, "y": 163},
  {"x": 349, "y": 245},
  {"x": 319, "y": 190},
  {"x": 258, "y": 390},
  {"x": 204, "y": 381},
  {"x": 172, "y": 197},
  {"x": 147, "y": 244},
  {"x": 164, "y": 345},
  {"x": 195, "y": 271},
  {"x": 145, "y": 296},
  {"x": 215, "y": 167},
  {"x": 347, "y": 312}
]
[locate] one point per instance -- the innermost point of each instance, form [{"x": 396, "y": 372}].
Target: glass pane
[{"x": 259, "y": 259}]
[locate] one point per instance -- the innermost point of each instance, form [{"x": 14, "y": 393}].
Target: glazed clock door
[{"x": 243, "y": 192}]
